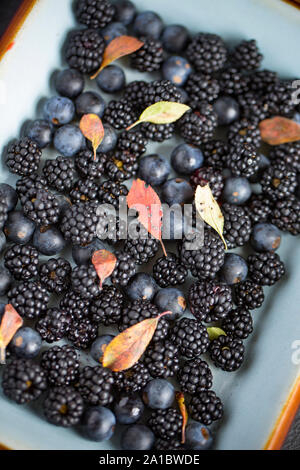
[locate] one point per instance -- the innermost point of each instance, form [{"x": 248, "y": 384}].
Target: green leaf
[
  {"x": 214, "y": 332},
  {"x": 163, "y": 112}
]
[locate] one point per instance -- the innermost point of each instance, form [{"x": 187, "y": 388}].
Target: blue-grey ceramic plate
[{"x": 254, "y": 396}]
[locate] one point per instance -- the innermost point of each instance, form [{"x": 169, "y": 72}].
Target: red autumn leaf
[
  {"x": 182, "y": 406},
  {"x": 126, "y": 348},
  {"x": 147, "y": 203},
  {"x": 104, "y": 262},
  {"x": 117, "y": 48},
  {"x": 11, "y": 322},
  {"x": 279, "y": 130},
  {"x": 92, "y": 128}
]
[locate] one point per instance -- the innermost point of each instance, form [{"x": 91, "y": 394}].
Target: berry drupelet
[
  {"x": 278, "y": 181},
  {"x": 237, "y": 225},
  {"x": 29, "y": 298},
  {"x": 207, "y": 53},
  {"x": 227, "y": 352},
  {"x": 74, "y": 305},
  {"x": 60, "y": 173},
  {"x": 194, "y": 376},
  {"x": 132, "y": 380},
  {"x": 246, "y": 55},
  {"x": 209, "y": 301},
  {"x": 88, "y": 166},
  {"x": 168, "y": 271},
  {"x": 191, "y": 337},
  {"x": 55, "y": 274},
  {"x": 149, "y": 57},
  {"x": 238, "y": 323},
  {"x": 265, "y": 269},
  {"x": 61, "y": 365},
  {"x": 79, "y": 223},
  {"x": 166, "y": 424},
  {"x": 23, "y": 157},
  {"x": 162, "y": 360},
  {"x": 95, "y": 385},
  {"x": 109, "y": 192},
  {"x": 206, "y": 407},
  {"x": 141, "y": 249},
  {"x": 63, "y": 406},
  {"x": 54, "y": 326},
  {"x": 197, "y": 127},
  {"x": 107, "y": 308},
  {"x": 285, "y": 215},
  {"x": 94, "y": 14},
  {"x": 125, "y": 268},
  {"x": 22, "y": 262},
  {"x": 248, "y": 295},
  {"x": 84, "y": 50},
  {"x": 211, "y": 176}
]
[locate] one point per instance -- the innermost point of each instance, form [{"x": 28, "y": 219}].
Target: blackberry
[
  {"x": 206, "y": 407},
  {"x": 278, "y": 98},
  {"x": 120, "y": 114},
  {"x": 167, "y": 445},
  {"x": 259, "y": 208},
  {"x": 211, "y": 176},
  {"x": 79, "y": 223},
  {"x": 289, "y": 154},
  {"x": 84, "y": 50},
  {"x": 168, "y": 271},
  {"x": 22, "y": 262},
  {"x": 82, "y": 332},
  {"x": 94, "y": 14},
  {"x": 61, "y": 365},
  {"x": 3, "y": 210},
  {"x": 158, "y": 132},
  {"x": 23, "y": 381},
  {"x": 278, "y": 181},
  {"x": 55, "y": 274},
  {"x": 95, "y": 385},
  {"x": 285, "y": 215},
  {"x": 214, "y": 152},
  {"x": 201, "y": 87},
  {"x": 74, "y": 305},
  {"x": 207, "y": 260},
  {"x": 23, "y": 157},
  {"x": 249, "y": 295},
  {"x": 261, "y": 80},
  {"x": 54, "y": 326},
  {"x": 29, "y": 298},
  {"x": 194, "y": 376},
  {"x": 134, "y": 93},
  {"x": 107, "y": 308},
  {"x": 26, "y": 183},
  {"x": 238, "y": 324},
  {"x": 265, "y": 269},
  {"x": 132, "y": 380},
  {"x": 244, "y": 131},
  {"x": 63, "y": 406},
  {"x": 253, "y": 107},
  {"x": 191, "y": 337},
  {"x": 109, "y": 192},
  {"x": 237, "y": 225},
  {"x": 243, "y": 160},
  {"x": 141, "y": 249},
  {"x": 209, "y": 301},
  {"x": 227, "y": 353},
  {"x": 121, "y": 166},
  {"x": 198, "y": 126},
  {"x": 85, "y": 282},
  {"x": 233, "y": 82},
  {"x": 133, "y": 142},
  {"x": 166, "y": 424},
  {"x": 207, "y": 53},
  {"x": 140, "y": 310},
  {"x": 60, "y": 173},
  {"x": 124, "y": 269},
  {"x": 160, "y": 90},
  {"x": 41, "y": 207},
  {"x": 88, "y": 166},
  {"x": 111, "y": 228},
  {"x": 162, "y": 360},
  {"x": 149, "y": 57},
  {"x": 246, "y": 55},
  {"x": 84, "y": 190}
]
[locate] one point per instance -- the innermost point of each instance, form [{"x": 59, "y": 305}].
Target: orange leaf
[
  {"x": 92, "y": 128},
  {"x": 117, "y": 48},
  {"x": 126, "y": 349},
  {"x": 147, "y": 203},
  {"x": 104, "y": 262},
  {"x": 11, "y": 322},
  {"x": 279, "y": 130},
  {"x": 182, "y": 406}
]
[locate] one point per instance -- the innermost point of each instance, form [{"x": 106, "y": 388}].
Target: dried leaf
[
  {"x": 214, "y": 332},
  {"x": 279, "y": 130},
  {"x": 11, "y": 322},
  {"x": 182, "y": 406},
  {"x": 104, "y": 262},
  {"x": 147, "y": 203},
  {"x": 126, "y": 349},
  {"x": 162, "y": 112},
  {"x": 209, "y": 210},
  {"x": 92, "y": 128},
  {"x": 117, "y": 48}
]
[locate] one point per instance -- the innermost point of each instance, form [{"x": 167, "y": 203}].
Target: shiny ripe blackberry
[
  {"x": 61, "y": 365},
  {"x": 278, "y": 181},
  {"x": 247, "y": 56},
  {"x": 107, "y": 308},
  {"x": 55, "y": 274},
  {"x": 29, "y": 298},
  {"x": 74, "y": 305},
  {"x": 214, "y": 152},
  {"x": 88, "y": 166},
  {"x": 84, "y": 50},
  {"x": 198, "y": 126},
  {"x": 41, "y": 206},
  {"x": 206, "y": 407},
  {"x": 260, "y": 80},
  {"x": 249, "y": 295},
  {"x": 23, "y": 157},
  {"x": 120, "y": 114},
  {"x": 121, "y": 166},
  {"x": 132, "y": 380},
  {"x": 162, "y": 360},
  {"x": 23, "y": 381},
  {"x": 3, "y": 211},
  {"x": 54, "y": 326},
  {"x": 253, "y": 106},
  {"x": 237, "y": 225},
  {"x": 194, "y": 376},
  {"x": 265, "y": 269},
  {"x": 125, "y": 268},
  {"x": 85, "y": 282},
  {"x": 207, "y": 53},
  {"x": 79, "y": 223},
  {"x": 140, "y": 310},
  {"x": 134, "y": 93},
  {"x": 63, "y": 406},
  {"x": 243, "y": 160},
  {"x": 132, "y": 142},
  {"x": 191, "y": 337},
  {"x": 227, "y": 353},
  {"x": 26, "y": 183},
  {"x": 158, "y": 132},
  {"x": 244, "y": 131},
  {"x": 60, "y": 173},
  {"x": 141, "y": 249},
  {"x": 209, "y": 301},
  {"x": 82, "y": 332},
  {"x": 278, "y": 98},
  {"x": 94, "y": 14},
  {"x": 259, "y": 208},
  {"x": 161, "y": 90},
  {"x": 285, "y": 215},
  {"x": 167, "y": 445},
  {"x": 95, "y": 385},
  {"x": 109, "y": 192},
  {"x": 149, "y": 57},
  {"x": 288, "y": 154},
  {"x": 233, "y": 82},
  {"x": 169, "y": 271},
  {"x": 166, "y": 424},
  {"x": 238, "y": 324},
  {"x": 211, "y": 176},
  {"x": 201, "y": 87},
  {"x": 84, "y": 190},
  {"x": 22, "y": 261}
]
